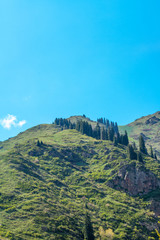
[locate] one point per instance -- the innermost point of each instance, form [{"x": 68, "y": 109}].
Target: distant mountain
[
  {"x": 149, "y": 127},
  {"x": 50, "y": 176}
]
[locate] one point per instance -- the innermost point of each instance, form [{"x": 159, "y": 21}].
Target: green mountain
[
  {"x": 149, "y": 127},
  {"x": 50, "y": 176}
]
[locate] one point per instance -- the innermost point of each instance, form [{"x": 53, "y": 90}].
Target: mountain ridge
[
  {"x": 149, "y": 127},
  {"x": 49, "y": 174}
]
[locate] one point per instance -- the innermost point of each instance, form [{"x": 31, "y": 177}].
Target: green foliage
[
  {"x": 149, "y": 127},
  {"x": 139, "y": 157},
  {"x": 151, "y": 152},
  {"x": 88, "y": 229},
  {"x": 131, "y": 153},
  {"x": 43, "y": 188},
  {"x": 142, "y": 147}
]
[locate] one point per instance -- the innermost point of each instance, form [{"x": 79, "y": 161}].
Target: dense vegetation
[
  {"x": 109, "y": 131},
  {"x": 55, "y": 185},
  {"x": 148, "y": 127}
]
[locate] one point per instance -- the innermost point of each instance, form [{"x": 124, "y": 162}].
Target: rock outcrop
[
  {"x": 135, "y": 180},
  {"x": 152, "y": 120}
]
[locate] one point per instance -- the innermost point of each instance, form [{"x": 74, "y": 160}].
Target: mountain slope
[
  {"x": 149, "y": 127},
  {"x": 44, "y": 187}
]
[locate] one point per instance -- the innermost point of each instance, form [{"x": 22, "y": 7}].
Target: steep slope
[
  {"x": 44, "y": 187},
  {"x": 149, "y": 127}
]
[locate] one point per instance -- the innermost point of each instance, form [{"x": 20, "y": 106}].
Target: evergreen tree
[
  {"x": 116, "y": 128},
  {"x": 97, "y": 131},
  {"x": 139, "y": 157},
  {"x": 142, "y": 147},
  {"x": 78, "y": 126},
  {"x": 115, "y": 141},
  {"x": 81, "y": 127},
  {"x": 106, "y": 133},
  {"x": 110, "y": 133},
  {"x": 90, "y": 132},
  {"x": 107, "y": 123},
  {"x": 151, "y": 152},
  {"x": 125, "y": 139},
  {"x": 131, "y": 153},
  {"x": 56, "y": 121},
  {"x": 118, "y": 137},
  {"x": 134, "y": 146},
  {"x": 70, "y": 126},
  {"x": 103, "y": 134},
  {"x": 88, "y": 229},
  {"x": 38, "y": 143},
  {"x": 155, "y": 156}
]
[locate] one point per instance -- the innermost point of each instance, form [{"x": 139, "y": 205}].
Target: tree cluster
[
  {"x": 108, "y": 132},
  {"x": 64, "y": 123},
  {"x": 153, "y": 155},
  {"x": 108, "y": 124},
  {"x": 88, "y": 228},
  {"x": 133, "y": 154},
  {"x": 84, "y": 127},
  {"x": 142, "y": 147}
]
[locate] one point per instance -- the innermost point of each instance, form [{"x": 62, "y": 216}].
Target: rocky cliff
[{"x": 135, "y": 179}]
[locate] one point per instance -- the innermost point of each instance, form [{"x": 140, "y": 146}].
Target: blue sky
[{"x": 61, "y": 58}]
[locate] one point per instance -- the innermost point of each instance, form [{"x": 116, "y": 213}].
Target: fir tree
[
  {"x": 115, "y": 141},
  {"x": 103, "y": 134},
  {"x": 97, "y": 131},
  {"x": 110, "y": 133},
  {"x": 134, "y": 146},
  {"x": 142, "y": 147},
  {"x": 151, "y": 152},
  {"x": 139, "y": 157},
  {"x": 116, "y": 128},
  {"x": 106, "y": 133},
  {"x": 70, "y": 126},
  {"x": 90, "y": 132},
  {"x": 125, "y": 139},
  {"x": 118, "y": 137},
  {"x": 38, "y": 143},
  {"x": 88, "y": 229},
  {"x": 107, "y": 123},
  {"x": 131, "y": 153},
  {"x": 78, "y": 126},
  {"x": 155, "y": 156}
]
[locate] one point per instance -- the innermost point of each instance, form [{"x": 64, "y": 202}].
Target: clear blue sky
[{"x": 61, "y": 58}]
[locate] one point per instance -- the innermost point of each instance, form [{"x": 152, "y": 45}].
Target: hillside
[
  {"x": 46, "y": 185},
  {"x": 74, "y": 119},
  {"x": 149, "y": 127}
]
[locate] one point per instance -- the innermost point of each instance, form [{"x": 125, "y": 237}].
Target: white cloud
[
  {"x": 21, "y": 123},
  {"x": 11, "y": 120}
]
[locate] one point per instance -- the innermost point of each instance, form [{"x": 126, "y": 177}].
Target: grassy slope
[
  {"x": 150, "y": 130},
  {"x": 74, "y": 119},
  {"x": 43, "y": 189}
]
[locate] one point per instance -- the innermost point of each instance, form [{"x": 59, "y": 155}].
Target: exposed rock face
[
  {"x": 152, "y": 120},
  {"x": 135, "y": 180}
]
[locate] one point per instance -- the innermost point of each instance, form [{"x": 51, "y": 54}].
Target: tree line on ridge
[{"x": 108, "y": 131}]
